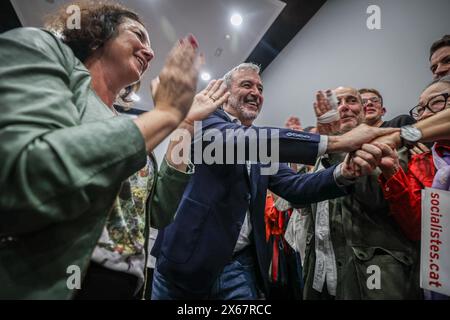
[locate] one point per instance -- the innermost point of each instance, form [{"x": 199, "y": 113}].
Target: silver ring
[{"x": 213, "y": 99}]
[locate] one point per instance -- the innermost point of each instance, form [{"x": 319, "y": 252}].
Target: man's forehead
[
  {"x": 368, "y": 94},
  {"x": 246, "y": 74},
  {"x": 345, "y": 91},
  {"x": 434, "y": 90},
  {"x": 439, "y": 54}
]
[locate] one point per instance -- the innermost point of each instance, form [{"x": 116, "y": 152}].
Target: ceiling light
[
  {"x": 236, "y": 19},
  {"x": 205, "y": 76},
  {"x": 227, "y": 36}
]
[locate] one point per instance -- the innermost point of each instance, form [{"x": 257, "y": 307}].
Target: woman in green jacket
[{"x": 64, "y": 152}]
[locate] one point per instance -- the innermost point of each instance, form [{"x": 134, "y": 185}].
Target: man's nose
[
  {"x": 149, "y": 54},
  {"x": 255, "y": 93},
  {"x": 441, "y": 70},
  {"x": 342, "y": 106},
  {"x": 425, "y": 114}
]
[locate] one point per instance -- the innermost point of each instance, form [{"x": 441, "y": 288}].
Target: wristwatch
[{"x": 410, "y": 136}]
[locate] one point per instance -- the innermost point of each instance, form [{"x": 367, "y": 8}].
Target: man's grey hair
[
  {"x": 445, "y": 79},
  {"x": 243, "y": 66}
]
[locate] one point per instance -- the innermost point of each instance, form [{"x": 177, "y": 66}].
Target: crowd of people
[{"x": 80, "y": 188}]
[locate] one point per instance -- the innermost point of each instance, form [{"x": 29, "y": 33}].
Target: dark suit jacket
[{"x": 193, "y": 250}]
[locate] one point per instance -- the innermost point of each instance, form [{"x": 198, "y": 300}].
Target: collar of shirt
[{"x": 233, "y": 118}]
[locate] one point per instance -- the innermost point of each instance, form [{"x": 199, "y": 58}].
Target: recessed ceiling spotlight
[
  {"x": 236, "y": 19},
  {"x": 205, "y": 76},
  {"x": 227, "y": 36}
]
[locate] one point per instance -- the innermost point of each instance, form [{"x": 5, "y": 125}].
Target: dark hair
[
  {"x": 98, "y": 23},
  {"x": 370, "y": 90},
  {"x": 443, "y": 42}
]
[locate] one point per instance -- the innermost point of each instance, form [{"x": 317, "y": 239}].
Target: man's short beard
[
  {"x": 247, "y": 116},
  {"x": 243, "y": 114}
]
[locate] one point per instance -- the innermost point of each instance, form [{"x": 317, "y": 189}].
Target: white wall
[{"x": 336, "y": 48}]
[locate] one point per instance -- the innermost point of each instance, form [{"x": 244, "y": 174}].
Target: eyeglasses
[
  {"x": 434, "y": 105},
  {"x": 373, "y": 99}
]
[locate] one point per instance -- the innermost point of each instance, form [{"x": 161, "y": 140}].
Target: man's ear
[{"x": 383, "y": 111}]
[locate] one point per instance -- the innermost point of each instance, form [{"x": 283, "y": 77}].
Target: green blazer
[{"x": 63, "y": 158}]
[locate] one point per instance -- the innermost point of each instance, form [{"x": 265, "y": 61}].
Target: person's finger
[
  {"x": 197, "y": 60},
  {"x": 222, "y": 99},
  {"x": 364, "y": 166},
  {"x": 200, "y": 61},
  {"x": 323, "y": 103},
  {"x": 349, "y": 157},
  {"x": 317, "y": 109},
  {"x": 184, "y": 54},
  {"x": 193, "y": 41},
  {"x": 386, "y": 150},
  {"x": 415, "y": 151},
  {"x": 182, "y": 58},
  {"x": 220, "y": 91},
  {"x": 423, "y": 147},
  {"x": 387, "y": 163},
  {"x": 373, "y": 150},
  {"x": 208, "y": 87},
  {"x": 213, "y": 90},
  {"x": 350, "y": 166},
  {"x": 367, "y": 157},
  {"x": 154, "y": 85},
  {"x": 320, "y": 98}
]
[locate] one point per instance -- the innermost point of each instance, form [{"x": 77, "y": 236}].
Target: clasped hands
[{"x": 380, "y": 152}]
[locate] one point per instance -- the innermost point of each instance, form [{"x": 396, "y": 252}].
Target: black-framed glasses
[{"x": 434, "y": 105}]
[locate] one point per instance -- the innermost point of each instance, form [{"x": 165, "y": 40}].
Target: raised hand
[
  {"x": 293, "y": 123},
  {"x": 321, "y": 107},
  {"x": 178, "y": 79},
  {"x": 207, "y": 101}
]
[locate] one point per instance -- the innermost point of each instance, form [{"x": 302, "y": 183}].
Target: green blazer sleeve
[
  {"x": 169, "y": 189},
  {"x": 54, "y": 166}
]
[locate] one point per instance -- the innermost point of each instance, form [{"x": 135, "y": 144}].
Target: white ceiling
[{"x": 169, "y": 20}]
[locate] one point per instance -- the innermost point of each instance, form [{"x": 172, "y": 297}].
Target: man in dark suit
[{"x": 215, "y": 248}]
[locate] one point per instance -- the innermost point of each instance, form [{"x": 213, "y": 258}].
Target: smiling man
[
  {"x": 440, "y": 57},
  {"x": 216, "y": 247},
  {"x": 349, "y": 235},
  {"x": 374, "y": 110}
]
